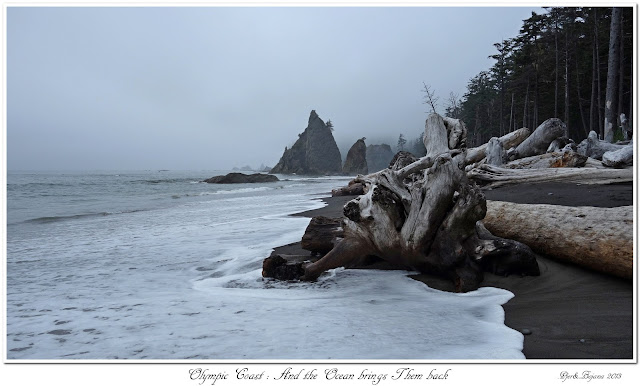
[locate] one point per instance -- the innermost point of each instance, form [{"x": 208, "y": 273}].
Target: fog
[{"x": 217, "y": 87}]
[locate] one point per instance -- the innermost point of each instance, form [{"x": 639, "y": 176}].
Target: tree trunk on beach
[
  {"x": 560, "y": 159},
  {"x": 619, "y": 158},
  {"x": 509, "y": 140},
  {"x": 597, "y": 238},
  {"x": 493, "y": 177},
  {"x": 424, "y": 215},
  {"x": 538, "y": 142},
  {"x": 595, "y": 148}
]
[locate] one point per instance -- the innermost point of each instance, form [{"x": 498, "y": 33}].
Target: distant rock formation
[
  {"x": 378, "y": 157},
  {"x": 314, "y": 153},
  {"x": 239, "y": 178},
  {"x": 356, "y": 162}
]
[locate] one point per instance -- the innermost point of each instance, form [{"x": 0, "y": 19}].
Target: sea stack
[
  {"x": 314, "y": 153},
  {"x": 356, "y": 162},
  {"x": 378, "y": 157}
]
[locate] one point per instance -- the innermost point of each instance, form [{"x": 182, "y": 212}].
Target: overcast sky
[{"x": 212, "y": 88}]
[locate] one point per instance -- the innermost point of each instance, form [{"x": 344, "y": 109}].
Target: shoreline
[{"x": 570, "y": 312}]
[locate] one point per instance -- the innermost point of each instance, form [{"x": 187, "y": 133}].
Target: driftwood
[
  {"x": 564, "y": 159},
  {"x": 424, "y": 215},
  {"x": 353, "y": 189},
  {"x": 493, "y": 176},
  {"x": 597, "y": 238},
  {"x": 321, "y": 234},
  {"x": 496, "y": 155},
  {"x": 595, "y": 148},
  {"x": 538, "y": 142},
  {"x": 510, "y": 140},
  {"x": 560, "y": 144},
  {"x": 619, "y": 158}
]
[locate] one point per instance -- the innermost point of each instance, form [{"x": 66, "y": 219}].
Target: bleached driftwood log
[
  {"x": 493, "y": 176},
  {"x": 595, "y": 148},
  {"x": 619, "y": 158},
  {"x": 509, "y": 140},
  {"x": 564, "y": 159},
  {"x": 560, "y": 144},
  {"x": 423, "y": 215},
  {"x": 496, "y": 154},
  {"x": 597, "y": 238},
  {"x": 538, "y": 142}
]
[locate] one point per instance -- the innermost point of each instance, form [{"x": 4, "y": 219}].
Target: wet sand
[{"x": 569, "y": 312}]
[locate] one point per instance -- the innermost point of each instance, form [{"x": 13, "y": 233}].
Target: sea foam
[{"x": 183, "y": 281}]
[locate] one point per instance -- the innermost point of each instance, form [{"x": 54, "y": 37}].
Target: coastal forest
[{"x": 565, "y": 63}]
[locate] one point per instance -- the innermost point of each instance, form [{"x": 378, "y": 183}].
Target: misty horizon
[{"x": 212, "y": 88}]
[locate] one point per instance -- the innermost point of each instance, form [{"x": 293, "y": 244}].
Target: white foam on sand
[{"x": 185, "y": 283}]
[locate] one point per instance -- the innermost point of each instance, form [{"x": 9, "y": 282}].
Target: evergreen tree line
[{"x": 564, "y": 63}]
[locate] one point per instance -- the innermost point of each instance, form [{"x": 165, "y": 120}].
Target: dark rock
[
  {"x": 402, "y": 159},
  {"x": 321, "y": 234},
  {"x": 314, "y": 153},
  {"x": 59, "y": 332},
  {"x": 378, "y": 157},
  {"x": 239, "y": 178},
  {"x": 356, "y": 162}
]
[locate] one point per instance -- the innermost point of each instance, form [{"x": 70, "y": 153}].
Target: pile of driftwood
[
  {"x": 547, "y": 155},
  {"x": 429, "y": 214}
]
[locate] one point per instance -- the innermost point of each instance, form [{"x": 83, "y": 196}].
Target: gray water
[{"x": 157, "y": 265}]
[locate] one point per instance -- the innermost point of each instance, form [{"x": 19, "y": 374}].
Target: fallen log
[
  {"x": 538, "y": 142},
  {"x": 509, "y": 140},
  {"x": 423, "y": 214},
  {"x": 560, "y": 144},
  {"x": 595, "y": 148},
  {"x": 596, "y": 238},
  {"x": 352, "y": 189},
  {"x": 619, "y": 158},
  {"x": 565, "y": 159},
  {"x": 493, "y": 177}
]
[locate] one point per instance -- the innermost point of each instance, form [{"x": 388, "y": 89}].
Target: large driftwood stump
[
  {"x": 423, "y": 214},
  {"x": 597, "y": 238}
]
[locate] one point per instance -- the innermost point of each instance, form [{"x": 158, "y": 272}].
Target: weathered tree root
[{"x": 423, "y": 214}]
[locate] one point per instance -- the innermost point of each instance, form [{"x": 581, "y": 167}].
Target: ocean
[{"x": 156, "y": 265}]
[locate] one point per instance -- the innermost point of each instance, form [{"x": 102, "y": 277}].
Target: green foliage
[
  {"x": 329, "y": 124},
  {"x": 618, "y": 135},
  {"x": 401, "y": 142},
  {"x": 528, "y": 82}
]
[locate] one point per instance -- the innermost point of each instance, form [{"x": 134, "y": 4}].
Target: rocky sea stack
[
  {"x": 314, "y": 153},
  {"x": 356, "y": 162},
  {"x": 378, "y": 157}
]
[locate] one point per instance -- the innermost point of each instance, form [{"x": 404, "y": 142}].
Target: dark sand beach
[{"x": 570, "y": 312}]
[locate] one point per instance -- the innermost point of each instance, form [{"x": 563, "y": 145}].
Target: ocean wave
[
  {"x": 241, "y": 190},
  {"x": 164, "y": 181},
  {"x": 52, "y": 219}
]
